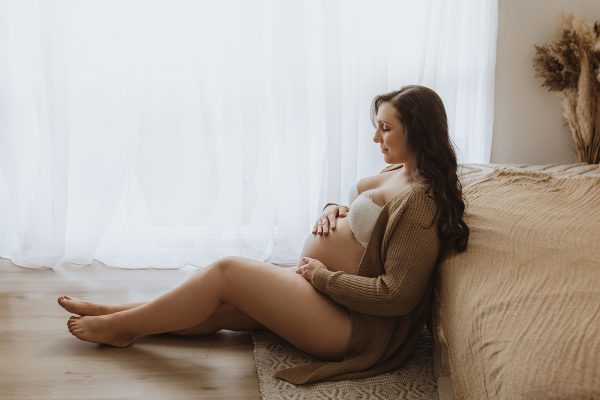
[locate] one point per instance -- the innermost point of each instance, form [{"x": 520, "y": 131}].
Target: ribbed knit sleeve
[{"x": 408, "y": 262}]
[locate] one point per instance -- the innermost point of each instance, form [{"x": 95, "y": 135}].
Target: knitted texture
[{"x": 388, "y": 298}]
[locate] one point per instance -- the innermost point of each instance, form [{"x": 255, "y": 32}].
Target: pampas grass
[{"x": 570, "y": 65}]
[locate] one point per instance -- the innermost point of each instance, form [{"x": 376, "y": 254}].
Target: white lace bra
[{"x": 362, "y": 215}]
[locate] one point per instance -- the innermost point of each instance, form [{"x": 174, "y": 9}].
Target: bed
[{"x": 517, "y": 316}]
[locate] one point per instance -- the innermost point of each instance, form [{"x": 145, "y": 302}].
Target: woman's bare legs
[
  {"x": 227, "y": 317},
  {"x": 280, "y": 300},
  {"x": 180, "y": 308},
  {"x": 83, "y": 307}
]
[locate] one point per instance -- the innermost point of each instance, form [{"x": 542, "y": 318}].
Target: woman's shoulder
[{"x": 391, "y": 167}]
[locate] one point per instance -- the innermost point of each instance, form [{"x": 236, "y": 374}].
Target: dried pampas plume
[{"x": 570, "y": 65}]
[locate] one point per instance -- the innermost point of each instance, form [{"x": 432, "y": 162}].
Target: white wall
[{"x": 528, "y": 122}]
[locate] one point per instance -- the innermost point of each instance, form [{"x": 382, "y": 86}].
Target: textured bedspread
[{"x": 519, "y": 311}]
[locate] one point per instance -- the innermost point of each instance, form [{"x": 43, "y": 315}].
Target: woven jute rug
[{"x": 414, "y": 380}]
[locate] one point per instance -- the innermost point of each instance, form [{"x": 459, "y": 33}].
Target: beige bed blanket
[{"x": 519, "y": 311}]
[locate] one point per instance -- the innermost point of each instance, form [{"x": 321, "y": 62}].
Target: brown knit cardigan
[{"x": 388, "y": 298}]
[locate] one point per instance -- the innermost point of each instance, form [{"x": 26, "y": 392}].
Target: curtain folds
[{"x": 159, "y": 134}]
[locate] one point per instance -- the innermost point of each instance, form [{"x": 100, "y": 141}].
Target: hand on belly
[{"x": 338, "y": 250}]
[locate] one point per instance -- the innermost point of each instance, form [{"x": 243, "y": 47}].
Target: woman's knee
[
  {"x": 219, "y": 265},
  {"x": 225, "y": 263},
  {"x": 225, "y": 267},
  {"x": 222, "y": 274}
]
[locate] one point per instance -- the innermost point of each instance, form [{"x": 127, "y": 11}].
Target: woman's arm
[{"x": 410, "y": 256}]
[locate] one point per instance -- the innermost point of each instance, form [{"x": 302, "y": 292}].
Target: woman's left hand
[{"x": 308, "y": 270}]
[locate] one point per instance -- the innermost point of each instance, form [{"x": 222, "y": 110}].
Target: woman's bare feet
[
  {"x": 99, "y": 329},
  {"x": 82, "y": 307}
]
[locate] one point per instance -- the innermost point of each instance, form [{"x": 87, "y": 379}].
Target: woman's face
[{"x": 390, "y": 136}]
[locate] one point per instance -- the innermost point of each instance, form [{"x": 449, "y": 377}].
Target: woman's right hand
[{"x": 328, "y": 218}]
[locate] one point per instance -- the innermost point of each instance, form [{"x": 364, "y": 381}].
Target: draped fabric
[{"x": 162, "y": 133}]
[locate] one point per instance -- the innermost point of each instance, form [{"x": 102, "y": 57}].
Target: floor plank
[{"x": 39, "y": 359}]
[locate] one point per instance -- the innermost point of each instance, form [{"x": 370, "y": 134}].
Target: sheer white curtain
[{"x": 169, "y": 133}]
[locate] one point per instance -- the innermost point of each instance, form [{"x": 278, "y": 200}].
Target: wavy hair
[{"x": 422, "y": 114}]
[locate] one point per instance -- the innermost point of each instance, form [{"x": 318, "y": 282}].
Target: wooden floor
[{"x": 39, "y": 359}]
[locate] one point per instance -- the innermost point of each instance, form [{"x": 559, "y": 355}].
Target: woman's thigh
[{"x": 285, "y": 303}]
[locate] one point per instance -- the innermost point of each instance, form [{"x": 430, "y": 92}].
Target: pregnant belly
[{"x": 339, "y": 250}]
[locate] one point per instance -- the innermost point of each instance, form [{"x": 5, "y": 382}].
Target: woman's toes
[
  {"x": 62, "y": 300},
  {"x": 72, "y": 321},
  {"x": 73, "y": 325}
]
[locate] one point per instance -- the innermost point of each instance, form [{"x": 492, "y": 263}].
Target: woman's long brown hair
[{"x": 422, "y": 113}]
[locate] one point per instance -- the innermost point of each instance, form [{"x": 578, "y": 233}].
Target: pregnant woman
[{"x": 359, "y": 296}]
